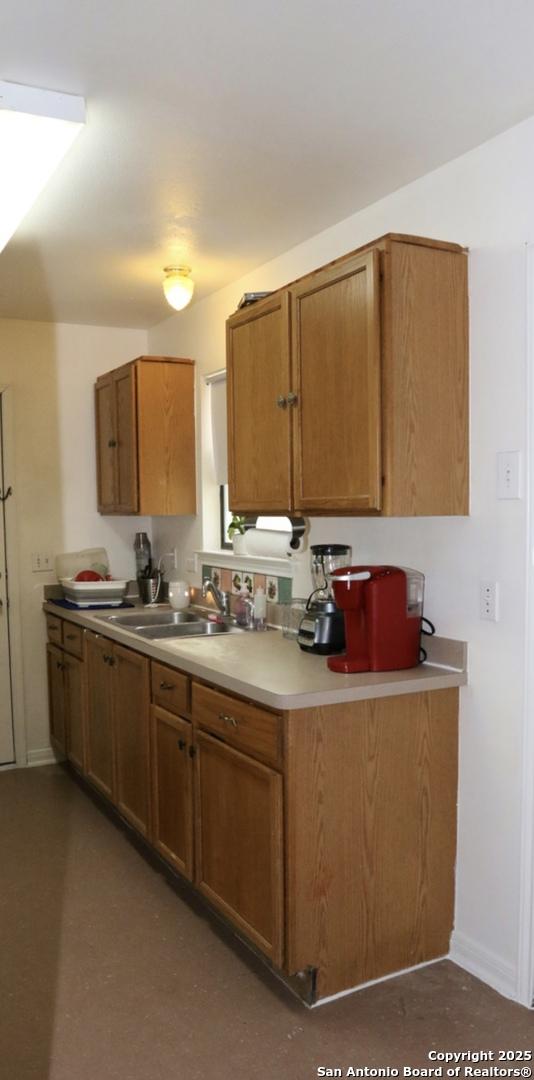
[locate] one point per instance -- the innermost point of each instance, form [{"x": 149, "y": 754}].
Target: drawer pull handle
[
  {"x": 166, "y": 686},
  {"x": 181, "y": 744},
  {"x": 71, "y": 637},
  {"x": 226, "y": 719}
]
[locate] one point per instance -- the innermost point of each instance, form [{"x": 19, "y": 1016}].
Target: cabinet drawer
[
  {"x": 54, "y": 629},
  {"x": 73, "y": 639},
  {"x": 247, "y": 727},
  {"x": 170, "y": 689}
]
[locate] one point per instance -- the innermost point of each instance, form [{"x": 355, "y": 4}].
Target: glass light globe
[{"x": 178, "y": 286}]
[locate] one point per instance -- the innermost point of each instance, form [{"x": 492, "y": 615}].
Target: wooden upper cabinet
[
  {"x": 348, "y": 389},
  {"x": 124, "y": 382},
  {"x": 145, "y": 438},
  {"x": 106, "y": 443},
  {"x": 259, "y": 430},
  {"x": 336, "y": 383}
]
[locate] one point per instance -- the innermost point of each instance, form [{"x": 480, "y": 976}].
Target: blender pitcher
[{"x": 325, "y": 559}]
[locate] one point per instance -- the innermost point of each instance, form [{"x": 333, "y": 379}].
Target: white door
[{"x": 7, "y": 746}]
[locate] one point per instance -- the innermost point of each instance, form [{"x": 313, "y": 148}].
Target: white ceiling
[{"x": 221, "y": 133}]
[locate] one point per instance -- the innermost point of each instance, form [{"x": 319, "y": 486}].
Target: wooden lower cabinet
[
  {"x": 56, "y": 698},
  {"x": 172, "y": 789},
  {"x": 74, "y": 691},
  {"x": 118, "y": 747},
  {"x": 131, "y": 704},
  {"x": 371, "y": 791},
  {"x": 100, "y": 750},
  {"x": 326, "y": 836},
  {"x": 66, "y": 692},
  {"x": 239, "y": 841}
]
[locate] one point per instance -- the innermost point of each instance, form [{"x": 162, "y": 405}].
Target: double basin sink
[{"x": 156, "y": 625}]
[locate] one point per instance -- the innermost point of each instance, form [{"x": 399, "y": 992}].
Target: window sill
[{"x": 225, "y": 559}]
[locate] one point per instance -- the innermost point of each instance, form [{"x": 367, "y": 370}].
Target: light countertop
[{"x": 273, "y": 670}]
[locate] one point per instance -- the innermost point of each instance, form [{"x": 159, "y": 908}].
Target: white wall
[
  {"x": 51, "y": 370},
  {"x": 483, "y": 200}
]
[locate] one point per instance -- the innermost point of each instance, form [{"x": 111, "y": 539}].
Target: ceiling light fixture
[
  {"x": 178, "y": 286},
  {"x": 37, "y": 128}
]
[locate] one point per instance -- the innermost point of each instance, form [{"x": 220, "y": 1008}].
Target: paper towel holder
[{"x": 298, "y": 529}]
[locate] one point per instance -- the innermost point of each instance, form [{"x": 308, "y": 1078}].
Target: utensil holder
[{"x": 149, "y": 589}]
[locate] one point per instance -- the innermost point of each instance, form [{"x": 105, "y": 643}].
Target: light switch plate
[{"x": 42, "y": 562}]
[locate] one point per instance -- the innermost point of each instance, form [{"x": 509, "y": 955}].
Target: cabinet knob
[
  {"x": 292, "y": 398},
  {"x": 181, "y": 744},
  {"x": 226, "y": 719},
  {"x": 166, "y": 686},
  {"x": 112, "y": 442},
  {"x": 281, "y": 401},
  {"x": 70, "y": 637}
]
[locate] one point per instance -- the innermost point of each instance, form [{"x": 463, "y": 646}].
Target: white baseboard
[
  {"x": 374, "y": 982},
  {"x": 46, "y": 756},
  {"x": 484, "y": 964}
]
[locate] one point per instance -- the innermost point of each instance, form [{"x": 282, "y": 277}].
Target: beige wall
[{"x": 50, "y": 370}]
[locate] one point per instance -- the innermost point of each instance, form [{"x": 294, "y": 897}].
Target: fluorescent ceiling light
[{"x": 36, "y": 129}]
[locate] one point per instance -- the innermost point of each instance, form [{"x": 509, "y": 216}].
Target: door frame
[
  {"x": 7, "y": 395},
  {"x": 525, "y": 954}
]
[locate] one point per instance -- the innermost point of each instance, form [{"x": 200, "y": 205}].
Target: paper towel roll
[{"x": 268, "y": 542}]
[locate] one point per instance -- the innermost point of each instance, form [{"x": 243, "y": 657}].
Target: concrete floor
[{"x": 107, "y": 974}]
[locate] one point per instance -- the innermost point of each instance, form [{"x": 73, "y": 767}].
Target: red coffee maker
[{"x": 383, "y": 608}]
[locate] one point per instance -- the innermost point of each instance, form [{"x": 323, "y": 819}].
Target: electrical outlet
[
  {"x": 509, "y": 474},
  {"x": 42, "y": 562},
  {"x": 489, "y": 600}
]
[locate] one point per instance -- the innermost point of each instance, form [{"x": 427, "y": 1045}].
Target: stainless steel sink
[
  {"x": 157, "y": 625},
  {"x": 187, "y": 629},
  {"x": 140, "y": 619}
]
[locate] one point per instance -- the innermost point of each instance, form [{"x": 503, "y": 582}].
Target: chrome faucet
[{"x": 222, "y": 599}]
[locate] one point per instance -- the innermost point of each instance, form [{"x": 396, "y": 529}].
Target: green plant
[{"x": 237, "y": 525}]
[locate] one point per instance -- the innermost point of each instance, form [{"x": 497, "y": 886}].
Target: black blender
[{"x": 322, "y": 628}]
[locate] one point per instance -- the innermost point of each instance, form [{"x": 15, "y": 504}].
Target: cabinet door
[
  {"x": 99, "y": 745},
  {"x": 106, "y": 444},
  {"x": 131, "y": 707},
  {"x": 239, "y": 852},
  {"x": 259, "y": 420},
  {"x": 75, "y": 710},
  {"x": 56, "y": 697},
  {"x": 172, "y": 805},
  {"x": 336, "y": 373},
  {"x": 126, "y": 426}
]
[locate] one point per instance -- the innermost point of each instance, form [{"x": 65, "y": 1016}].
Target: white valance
[{"x": 216, "y": 382}]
